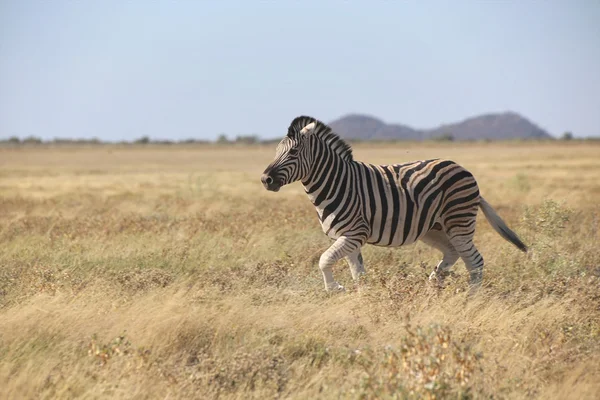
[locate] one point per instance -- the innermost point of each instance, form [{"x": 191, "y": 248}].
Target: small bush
[{"x": 426, "y": 364}]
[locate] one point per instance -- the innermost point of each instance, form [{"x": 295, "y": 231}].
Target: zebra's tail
[{"x": 499, "y": 225}]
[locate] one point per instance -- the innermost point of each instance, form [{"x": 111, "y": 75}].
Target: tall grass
[{"x": 170, "y": 272}]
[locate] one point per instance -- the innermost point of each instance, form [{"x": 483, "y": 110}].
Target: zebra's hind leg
[
  {"x": 459, "y": 226},
  {"x": 356, "y": 264},
  {"x": 438, "y": 240},
  {"x": 472, "y": 258}
]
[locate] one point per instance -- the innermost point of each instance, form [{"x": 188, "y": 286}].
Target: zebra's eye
[{"x": 293, "y": 152}]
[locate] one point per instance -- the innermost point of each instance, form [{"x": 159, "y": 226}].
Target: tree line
[{"x": 222, "y": 139}]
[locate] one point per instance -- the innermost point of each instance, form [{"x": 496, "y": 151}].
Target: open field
[{"x": 169, "y": 272}]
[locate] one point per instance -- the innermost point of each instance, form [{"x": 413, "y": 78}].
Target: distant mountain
[
  {"x": 508, "y": 125},
  {"x": 498, "y": 126},
  {"x": 363, "y": 127}
]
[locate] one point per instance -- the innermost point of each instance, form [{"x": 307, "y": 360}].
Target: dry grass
[{"x": 170, "y": 272}]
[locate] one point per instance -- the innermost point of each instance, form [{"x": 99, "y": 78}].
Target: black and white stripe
[{"x": 434, "y": 200}]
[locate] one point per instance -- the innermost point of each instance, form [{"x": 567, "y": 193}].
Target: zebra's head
[{"x": 292, "y": 156}]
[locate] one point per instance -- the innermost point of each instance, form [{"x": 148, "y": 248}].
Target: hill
[
  {"x": 363, "y": 127},
  {"x": 492, "y": 126}
]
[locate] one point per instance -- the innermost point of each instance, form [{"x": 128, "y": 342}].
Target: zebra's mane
[{"x": 324, "y": 132}]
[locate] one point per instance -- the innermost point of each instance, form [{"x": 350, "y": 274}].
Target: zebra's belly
[
  {"x": 401, "y": 235},
  {"x": 385, "y": 242}
]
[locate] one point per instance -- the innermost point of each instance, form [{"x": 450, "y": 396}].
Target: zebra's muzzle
[{"x": 270, "y": 184}]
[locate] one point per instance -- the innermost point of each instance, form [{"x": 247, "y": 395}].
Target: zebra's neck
[{"x": 329, "y": 179}]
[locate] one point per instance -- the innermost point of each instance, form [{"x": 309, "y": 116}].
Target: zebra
[{"x": 357, "y": 203}]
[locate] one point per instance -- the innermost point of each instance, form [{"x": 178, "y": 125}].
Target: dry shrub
[
  {"x": 428, "y": 363},
  {"x": 140, "y": 280}
]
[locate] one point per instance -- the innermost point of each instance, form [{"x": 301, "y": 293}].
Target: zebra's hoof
[
  {"x": 474, "y": 288},
  {"x": 335, "y": 288},
  {"x": 436, "y": 280}
]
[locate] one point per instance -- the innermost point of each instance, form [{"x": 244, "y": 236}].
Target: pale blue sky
[{"x": 178, "y": 69}]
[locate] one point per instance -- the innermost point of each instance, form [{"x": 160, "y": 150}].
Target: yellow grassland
[{"x": 169, "y": 272}]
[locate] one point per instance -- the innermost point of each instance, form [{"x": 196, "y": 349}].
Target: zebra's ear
[{"x": 308, "y": 129}]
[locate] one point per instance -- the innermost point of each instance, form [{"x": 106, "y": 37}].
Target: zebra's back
[{"x": 402, "y": 202}]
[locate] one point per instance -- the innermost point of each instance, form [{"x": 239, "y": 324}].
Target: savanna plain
[{"x": 170, "y": 272}]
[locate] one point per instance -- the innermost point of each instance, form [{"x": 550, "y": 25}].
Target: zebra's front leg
[
  {"x": 356, "y": 264},
  {"x": 342, "y": 247}
]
